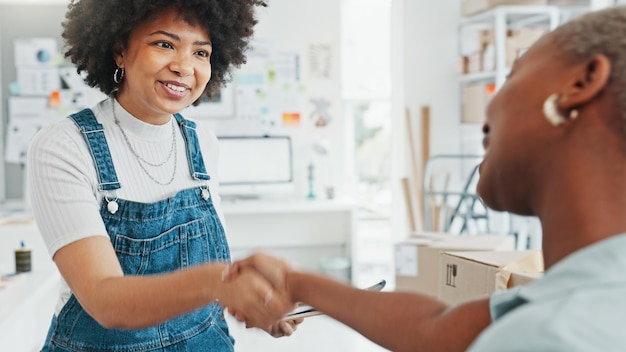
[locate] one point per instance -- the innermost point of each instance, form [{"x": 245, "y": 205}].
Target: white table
[
  {"x": 27, "y": 302},
  {"x": 300, "y": 231}
]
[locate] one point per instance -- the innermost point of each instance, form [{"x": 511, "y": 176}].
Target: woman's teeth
[{"x": 175, "y": 88}]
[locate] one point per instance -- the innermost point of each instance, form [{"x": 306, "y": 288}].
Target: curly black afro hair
[{"x": 93, "y": 29}]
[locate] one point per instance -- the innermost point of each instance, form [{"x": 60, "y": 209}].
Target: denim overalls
[{"x": 168, "y": 235}]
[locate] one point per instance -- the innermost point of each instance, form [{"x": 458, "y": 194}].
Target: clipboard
[{"x": 305, "y": 311}]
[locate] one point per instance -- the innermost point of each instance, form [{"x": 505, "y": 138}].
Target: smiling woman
[
  {"x": 166, "y": 67},
  {"x": 125, "y": 192}
]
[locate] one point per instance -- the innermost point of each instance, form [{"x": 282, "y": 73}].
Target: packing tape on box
[{"x": 533, "y": 263}]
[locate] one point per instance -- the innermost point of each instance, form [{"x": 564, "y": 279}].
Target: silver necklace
[{"x": 141, "y": 161}]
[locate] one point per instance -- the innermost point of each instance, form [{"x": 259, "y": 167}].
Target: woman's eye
[
  {"x": 164, "y": 45},
  {"x": 203, "y": 53}
]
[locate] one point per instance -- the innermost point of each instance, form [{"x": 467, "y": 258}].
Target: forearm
[
  {"x": 397, "y": 321},
  {"x": 134, "y": 302}
]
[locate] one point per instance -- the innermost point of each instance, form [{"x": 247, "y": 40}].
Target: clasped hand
[{"x": 271, "y": 301}]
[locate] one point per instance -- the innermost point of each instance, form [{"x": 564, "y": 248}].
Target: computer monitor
[{"x": 252, "y": 166}]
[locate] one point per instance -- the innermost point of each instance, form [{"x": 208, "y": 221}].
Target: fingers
[
  {"x": 285, "y": 327},
  {"x": 251, "y": 298},
  {"x": 236, "y": 314},
  {"x": 272, "y": 268}
]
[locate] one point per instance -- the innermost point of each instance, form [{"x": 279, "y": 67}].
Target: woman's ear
[
  {"x": 118, "y": 54},
  {"x": 588, "y": 80}
]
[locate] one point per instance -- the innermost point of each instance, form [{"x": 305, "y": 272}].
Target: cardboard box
[
  {"x": 518, "y": 41},
  {"x": 470, "y": 7},
  {"x": 465, "y": 276},
  {"x": 417, "y": 258},
  {"x": 475, "y": 98}
]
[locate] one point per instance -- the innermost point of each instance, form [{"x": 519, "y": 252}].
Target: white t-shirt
[{"x": 64, "y": 184}]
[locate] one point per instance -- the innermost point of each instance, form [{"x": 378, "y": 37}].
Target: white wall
[
  {"x": 425, "y": 74},
  {"x": 430, "y": 68},
  {"x": 293, "y": 26}
]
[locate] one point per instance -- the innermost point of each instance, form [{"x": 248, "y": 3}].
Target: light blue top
[{"x": 579, "y": 305}]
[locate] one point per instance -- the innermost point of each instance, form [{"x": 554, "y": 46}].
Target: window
[{"x": 366, "y": 92}]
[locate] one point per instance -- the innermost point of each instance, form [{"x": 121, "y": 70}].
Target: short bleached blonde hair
[{"x": 599, "y": 32}]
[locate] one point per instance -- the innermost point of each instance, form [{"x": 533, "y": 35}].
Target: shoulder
[
  {"x": 206, "y": 136},
  {"x": 58, "y": 145},
  {"x": 584, "y": 319},
  {"x": 59, "y": 134}
]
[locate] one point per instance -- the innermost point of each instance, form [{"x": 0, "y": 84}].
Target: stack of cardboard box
[
  {"x": 474, "y": 100},
  {"x": 483, "y": 53},
  {"x": 476, "y": 96},
  {"x": 465, "y": 276},
  {"x": 458, "y": 268},
  {"x": 417, "y": 258}
]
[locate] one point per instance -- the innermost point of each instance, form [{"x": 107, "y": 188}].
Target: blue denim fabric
[
  {"x": 168, "y": 235},
  {"x": 194, "y": 156},
  {"x": 94, "y": 135}
]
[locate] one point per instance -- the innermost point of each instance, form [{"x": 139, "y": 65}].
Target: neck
[
  {"x": 146, "y": 114},
  {"x": 582, "y": 205}
]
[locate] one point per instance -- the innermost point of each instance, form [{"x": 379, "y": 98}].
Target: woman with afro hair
[{"x": 125, "y": 193}]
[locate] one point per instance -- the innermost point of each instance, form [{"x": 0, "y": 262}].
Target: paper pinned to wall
[
  {"x": 320, "y": 61},
  {"x": 31, "y": 108},
  {"x": 38, "y": 81},
  {"x": 268, "y": 88},
  {"x": 19, "y": 134},
  {"x": 27, "y": 115},
  {"x": 36, "y": 52}
]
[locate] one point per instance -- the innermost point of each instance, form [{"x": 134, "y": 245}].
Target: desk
[
  {"x": 300, "y": 231},
  {"x": 26, "y": 303}
]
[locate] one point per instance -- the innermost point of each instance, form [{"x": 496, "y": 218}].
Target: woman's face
[
  {"x": 167, "y": 67},
  {"x": 519, "y": 142}
]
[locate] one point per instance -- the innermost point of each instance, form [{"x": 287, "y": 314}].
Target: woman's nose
[{"x": 182, "y": 65}]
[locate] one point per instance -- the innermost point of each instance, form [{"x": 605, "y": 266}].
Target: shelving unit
[{"x": 501, "y": 19}]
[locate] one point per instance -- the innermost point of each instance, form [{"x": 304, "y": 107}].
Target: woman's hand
[
  {"x": 285, "y": 327},
  {"x": 255, "y": 300},
  {"x": 273, "y": 269}
]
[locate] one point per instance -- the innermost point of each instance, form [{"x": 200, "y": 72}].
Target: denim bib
[{"x": 168, "y": 235}]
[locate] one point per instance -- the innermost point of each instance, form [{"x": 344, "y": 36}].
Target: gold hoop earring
[
  {"x": 118, "y": 75},
  {"x": 550, "y": 111}
]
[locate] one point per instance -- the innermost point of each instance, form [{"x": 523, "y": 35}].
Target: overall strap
[
  {"x": 97, "y": 143},
  {"x": 194, "y": 155}
]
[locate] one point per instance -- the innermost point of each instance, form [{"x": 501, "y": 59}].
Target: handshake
[{"x": 264, "y": 298}]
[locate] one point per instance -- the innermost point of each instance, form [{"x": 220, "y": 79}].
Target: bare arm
[
  {"x": 396, "y": 320},
  {"x": 93, "y": 273}
]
